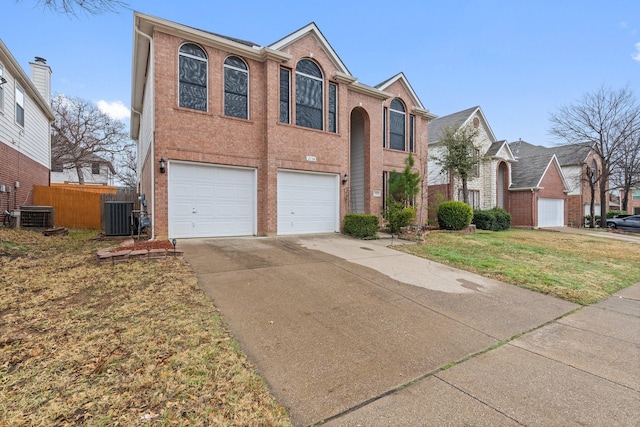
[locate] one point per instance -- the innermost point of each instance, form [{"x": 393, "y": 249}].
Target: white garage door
[
  {"x": 211, "y": 201},
  {"x": 551, "y": 212},
  {"x": 308, "y": 203}
]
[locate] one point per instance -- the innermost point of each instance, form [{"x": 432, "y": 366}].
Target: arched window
[
  {"x": 594, "y": 171},
  {"x": 397, "y": 120},
  {"x": 236, "y": 88},
  {"x": 193, "y": 77},
  {"x": 309, "y": 95}
]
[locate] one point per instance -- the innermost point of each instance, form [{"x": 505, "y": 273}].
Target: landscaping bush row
[
  {"x": 495, "y": 219},
  {"x": 362, "y": 226}
]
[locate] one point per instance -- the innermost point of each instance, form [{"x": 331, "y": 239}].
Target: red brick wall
[
  {"x": 18, "y": 167},
  {"x": 523, "y": 213},
  {"x": 262, "y": 142}
]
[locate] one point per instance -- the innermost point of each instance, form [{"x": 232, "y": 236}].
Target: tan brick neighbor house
[{"x": 236, "y": 139}]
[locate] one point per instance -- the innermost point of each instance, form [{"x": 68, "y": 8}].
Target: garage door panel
[
  {"x": 550, "y": 212},
  {"x": 307, "y": 203},
  {"x": 211, "y": 201}
]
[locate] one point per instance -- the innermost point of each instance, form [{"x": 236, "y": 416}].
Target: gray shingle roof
[
  {"x": 527, "y": 172},
  {"x": 455, "y": 120},
  {"x": 495, "y": 147},
  {"x": 573, "y": 154}
]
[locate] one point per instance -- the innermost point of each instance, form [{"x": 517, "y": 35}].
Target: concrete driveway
[{"x": 348, "y": 332}]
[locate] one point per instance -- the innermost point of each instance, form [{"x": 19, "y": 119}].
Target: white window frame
[{"x": 20, "y": 103}]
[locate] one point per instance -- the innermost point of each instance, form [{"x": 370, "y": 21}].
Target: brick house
[
  {"x": 489, "y": 185},
  {"x": 538, "y": 192},
  {"x": 574, "y": 160},
  {"x": 235, "y": 138},
  {"x": 25, "y": 136}
]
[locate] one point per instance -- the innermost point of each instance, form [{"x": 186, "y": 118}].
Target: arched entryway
[
  {"x": 357, "y": 172},
  {"x": 502, "y": 185}
]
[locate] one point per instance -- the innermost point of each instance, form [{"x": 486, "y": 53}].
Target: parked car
[{"x": 630, "y": 223}]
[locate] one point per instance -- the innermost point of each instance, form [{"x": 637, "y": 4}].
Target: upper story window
[
  {"x": 594, "y": 171},
  {"x": 385, "y": 113},
  {"x": 333, "y": 107},
  {"x": 412, "y": 133},
  {"x": 193, "y": 77},
  {"x": 285, "y": 95},
  {"x": 475, "y": 157},
  {"x": 397, "y": 125},
  {"x": 19, "y": 105},
  {"x": 56, "y": 166},
  {"x": 635, "y": 195},
  {"x": 309, "y": 95},
  {"x": 236, "y": 88},
  {"x": 95, "y": 168},
  {"x": 2, "y": 82}
]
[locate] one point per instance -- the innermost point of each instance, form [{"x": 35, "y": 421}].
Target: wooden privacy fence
[{"x": 76, "y": 208}]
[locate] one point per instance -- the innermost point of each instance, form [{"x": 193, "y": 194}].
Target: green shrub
[
  {"x": 454, "y": 215},
  {"x": 613, "y": 213},
  {"x": 362, "y": 226},
  {"x": 397, "y": 215},
  {"x": 587, "y": 220},
  {"x": 502, "y": 219},
  {"x": 483, "y": 219}
]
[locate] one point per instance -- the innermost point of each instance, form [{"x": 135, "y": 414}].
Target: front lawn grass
[
  {"x": 577, "y": 268},
  {"x": 136, "y": 343}
]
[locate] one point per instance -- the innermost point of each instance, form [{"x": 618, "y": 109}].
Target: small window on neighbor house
[
  {"x": 474, "y": 198},
  {"x": 397, "y": 125},
  {"x": 285, "y": 95},
  {"x": 594, "y": 170},
  {"x": 236, "y": 88},
  {"x": 636, "y": 194},
  {"x": 19, "y": 105},
  {"x": 95, "y": 168},
  {"x": 333, "y": 107},
  {"x": 476, "y": 162},
  {"x": 309, "y": 95},
  {"x": 193, "y": 77}
]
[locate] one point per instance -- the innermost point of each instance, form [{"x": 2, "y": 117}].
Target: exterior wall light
[
  {"x": 345, "y": 178},
  {"x": 163, "y": 165}
]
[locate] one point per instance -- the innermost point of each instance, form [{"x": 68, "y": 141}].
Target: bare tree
[
  {"x": 126, "y": 165},
  {"x": 81, "y": 132},
  {"x": 72, "y": 7},
  {"x": 606, "y": 119},
  {"x": 626, "y": 174},
  {"x": 460, "y": 155}
]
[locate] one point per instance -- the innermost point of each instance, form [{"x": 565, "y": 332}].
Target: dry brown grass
[{"x": 136, "y": 343}]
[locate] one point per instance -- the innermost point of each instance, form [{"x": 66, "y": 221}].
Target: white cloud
[
  {"x": 115, "y": 110},
  {"x": 636, "y": 56}
]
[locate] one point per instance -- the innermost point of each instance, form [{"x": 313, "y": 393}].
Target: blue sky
[{"x": 518, "y": 60}]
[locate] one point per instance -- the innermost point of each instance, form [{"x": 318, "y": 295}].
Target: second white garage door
[
  {"x": 550, "y": 212},
  {"x": 211, "y": 201},
  {"x": 308, "y": 202}
]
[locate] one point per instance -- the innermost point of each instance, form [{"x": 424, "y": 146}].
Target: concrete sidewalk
[{"x": 349, "y": 332}]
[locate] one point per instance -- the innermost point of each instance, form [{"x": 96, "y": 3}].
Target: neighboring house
[
  {"x": 235, "y": 138},
  {"x": 97, "y": 171},
  {"x": 25, "y": 135},
  {"x": 633, "y": 200},
  {"x": 488, "y": 187},
  {"x": 574, "y": 159},
  {"x": 538, "y": 192}
]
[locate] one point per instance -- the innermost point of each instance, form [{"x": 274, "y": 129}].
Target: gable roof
[
  {"x": 528, "y": 173},
  {"x": 497, "y": 146},
  {"x": 568, "y": 155},
  {"x": 400, "y": 77},
  {"x": 456, "y": 121},
  {"x": 313, "y": 29},
  {"x": 16, "y": 71}
]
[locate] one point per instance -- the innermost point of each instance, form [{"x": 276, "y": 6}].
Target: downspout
[{"x": 153, "y": 141}]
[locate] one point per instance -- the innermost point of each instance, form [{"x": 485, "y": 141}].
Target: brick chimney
[{"x": 41, "y": 77}]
